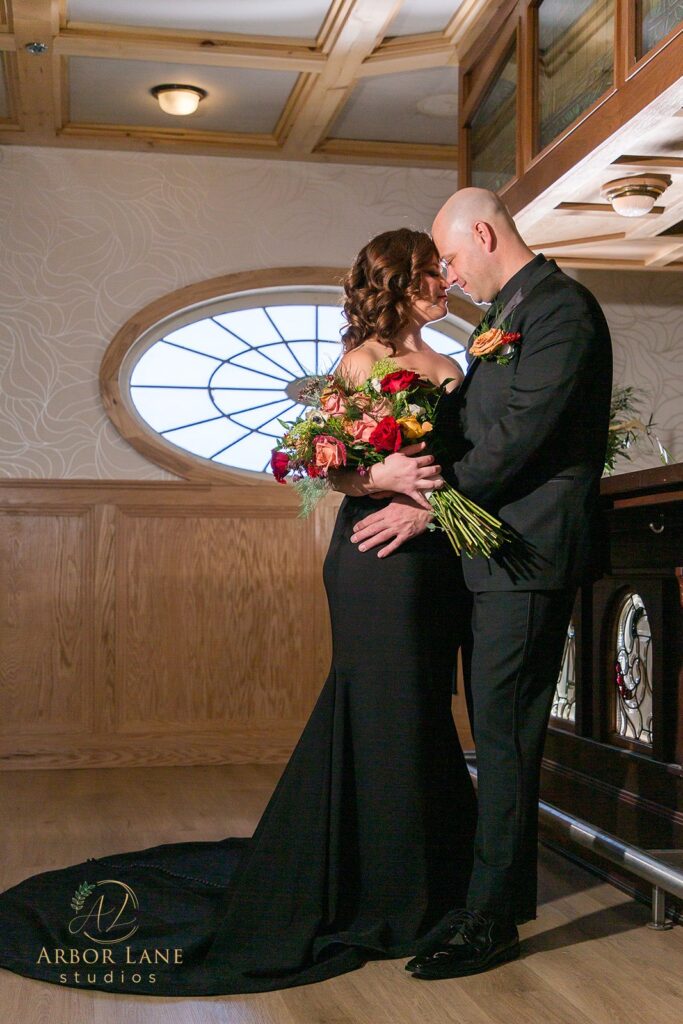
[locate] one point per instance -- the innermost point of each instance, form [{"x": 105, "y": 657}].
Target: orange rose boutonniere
[{"x": 495, "y": 343}]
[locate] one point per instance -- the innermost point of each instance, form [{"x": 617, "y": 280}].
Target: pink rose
[
  {"x": 360, "y": 430},
  {"x": 332, "y": 402},
  {"x": 330, "y": 453},
  {"x": 381, "y": 408}
]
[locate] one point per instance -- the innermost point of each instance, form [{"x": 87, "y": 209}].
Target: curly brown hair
[{"x": 382, "y": 284}]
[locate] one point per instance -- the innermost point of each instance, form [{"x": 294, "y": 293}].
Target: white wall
[{"x": 88, "y": 238}]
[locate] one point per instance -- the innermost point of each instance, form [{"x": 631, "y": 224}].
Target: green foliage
[
  {"x": 382, "y": 367},
  {"x": 627, "y": 430},
  {"x": 310, "y": 491}
]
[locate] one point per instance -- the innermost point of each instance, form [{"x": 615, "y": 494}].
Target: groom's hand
[{"x": 398, "y": 522}]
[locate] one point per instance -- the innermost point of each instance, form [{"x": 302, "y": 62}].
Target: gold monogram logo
[{"x": 106, "y": 912}]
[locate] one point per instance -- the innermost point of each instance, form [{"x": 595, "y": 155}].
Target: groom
[{"x": 533, "y": 417}]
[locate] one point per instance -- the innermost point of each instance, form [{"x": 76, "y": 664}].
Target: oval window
[{"x": 214, "y": 381}]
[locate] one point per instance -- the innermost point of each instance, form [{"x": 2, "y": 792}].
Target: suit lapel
[{"x": 474, "y": 363}]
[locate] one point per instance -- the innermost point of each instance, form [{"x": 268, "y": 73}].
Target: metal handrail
[{"x": 663, "y": 877}]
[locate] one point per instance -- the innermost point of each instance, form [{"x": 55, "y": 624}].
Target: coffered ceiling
[
  {"x": 366, "y": 81},
  {"x": 295, "y": 79}
]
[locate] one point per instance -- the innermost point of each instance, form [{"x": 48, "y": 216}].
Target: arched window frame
[{"x": 184, "y": 306}]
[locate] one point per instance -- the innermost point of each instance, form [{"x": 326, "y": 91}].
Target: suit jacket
[{"x": 530, "y": 437}]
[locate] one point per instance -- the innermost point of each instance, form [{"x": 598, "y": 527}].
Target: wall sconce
[
  {"x": 178, "y": 99},
  {"x": 635, "y": 196}
]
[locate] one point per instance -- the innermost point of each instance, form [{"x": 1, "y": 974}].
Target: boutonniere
[{"x": 495, "y": 343}]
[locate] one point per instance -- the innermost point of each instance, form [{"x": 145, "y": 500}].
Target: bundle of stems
[{"x": 468, "y": 526}]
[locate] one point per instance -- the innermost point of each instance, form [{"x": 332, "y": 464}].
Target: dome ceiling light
[
  {"x": 178, "y": 99},
  {"x": 635, "y": 196}
]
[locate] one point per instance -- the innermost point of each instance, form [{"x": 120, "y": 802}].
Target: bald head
[
  {"x": 479, "y": 242},
  {"x": 469, "y": 205}
]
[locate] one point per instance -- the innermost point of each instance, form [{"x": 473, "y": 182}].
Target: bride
[{"x": 367, "y": 840}]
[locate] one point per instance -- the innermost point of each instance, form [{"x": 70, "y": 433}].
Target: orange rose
[
  {"x": 330, "y": 453},
  {"x": 486, "y": 342}
]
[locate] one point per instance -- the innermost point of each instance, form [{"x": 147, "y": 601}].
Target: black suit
[{"x": 532, "y": 439}]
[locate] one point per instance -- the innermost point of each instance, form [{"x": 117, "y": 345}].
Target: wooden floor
[{"x": 587, "y": 959}]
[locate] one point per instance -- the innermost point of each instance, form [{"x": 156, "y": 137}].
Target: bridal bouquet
[{"x": 357, "y": 426}]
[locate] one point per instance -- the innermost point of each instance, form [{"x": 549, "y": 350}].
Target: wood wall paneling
[
  {"x": 158, "y": 623},
  {"x": 213, "y": 613},
  {"x": 46, "y": 648}
]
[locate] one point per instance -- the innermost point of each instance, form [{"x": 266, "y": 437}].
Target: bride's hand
[{"x": 408, "y": 472}]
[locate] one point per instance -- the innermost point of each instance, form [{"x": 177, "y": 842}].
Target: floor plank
[{"x": 588, "y": 958}]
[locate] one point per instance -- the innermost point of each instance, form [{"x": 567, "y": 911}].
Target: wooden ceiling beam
[
  {"x": 668, "y": 254},
  {"x": 412, "y": 154},
  {"x": 598, "y": 208},
  {"x": 594, "y": 263},
  {"x": 353, "y": 29},
  {"x": 135, "y": 138},
  {"x": 649, "y": 163},
  {"x": 585, "y": 240},
  {"x": 157, "y": 137},
  {"x": 214, "y": 51},
  {"x": 412, "y": 53},
  {"x": 465, "y": 25},
  {"x": 37, "y": 74}
]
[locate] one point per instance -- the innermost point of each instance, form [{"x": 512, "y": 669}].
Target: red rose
[
  {"x": 510, "y": 336},
  {"x": 399, "y": 380},
  {"x": 279, "y": 463},
  {"x": 386, "y": 437}
]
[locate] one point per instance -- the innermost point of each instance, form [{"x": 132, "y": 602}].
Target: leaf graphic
[{"x": 79, "y": 897}]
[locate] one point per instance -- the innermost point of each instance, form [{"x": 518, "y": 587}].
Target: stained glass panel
[
  {"x": 575, "y": 60},
  {"x": 633, "y": 671},
  {"x": 564, "y": 701},
  {"x": 657, "y": 19},
  {"x": 493, "y": 130}
]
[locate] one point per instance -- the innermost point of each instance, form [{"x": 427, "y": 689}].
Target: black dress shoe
[{"x": 474, "y": 941}]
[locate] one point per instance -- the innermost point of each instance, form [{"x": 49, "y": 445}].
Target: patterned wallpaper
[
  {"x": 88, "y": 238},
  {"x": 645, "y": 315}
]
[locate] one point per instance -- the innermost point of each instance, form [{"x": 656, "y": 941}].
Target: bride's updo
[{"x": 383, "y": 283}]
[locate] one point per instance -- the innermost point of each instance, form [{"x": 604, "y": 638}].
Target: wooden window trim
[
  {"x": 493, "y": 63},
  {"x": 118, "y": 406}
]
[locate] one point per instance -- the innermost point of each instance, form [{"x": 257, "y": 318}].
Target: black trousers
[{"x": 510, "y": 674}]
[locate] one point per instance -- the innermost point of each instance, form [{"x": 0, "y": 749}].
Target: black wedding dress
[{"x": 364, "y": 845}]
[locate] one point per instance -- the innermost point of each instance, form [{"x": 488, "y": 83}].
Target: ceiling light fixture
[
  {"x": 178, "y": 99},
  {"x": 635, "y": 196}
]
